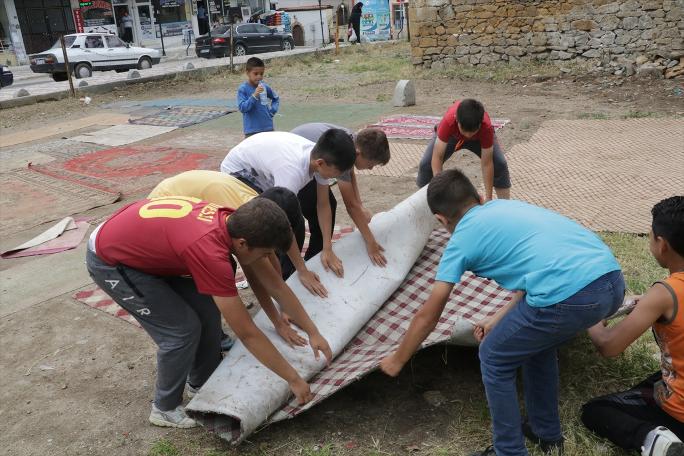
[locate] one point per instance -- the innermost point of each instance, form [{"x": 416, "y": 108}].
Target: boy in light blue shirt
[
  {"x": 565, "y": 278},
  {"x": 257, "y": 102}
]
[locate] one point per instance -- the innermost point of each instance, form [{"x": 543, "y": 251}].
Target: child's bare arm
[
  {"x": 438, "y": 152},
  {"x": 356, "y": 212},
  {"x": 611, "y": 341},
  {"x": 324, "y": 211},
  {"x": 262, "y": 272},
  {"x": 487, "y": 165},
  {"x": 421, "y": 326},
  {"x": 482, "y": 327},
  {"x": 233, "y": 310}
]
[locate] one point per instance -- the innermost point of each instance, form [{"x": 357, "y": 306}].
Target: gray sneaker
[
  {"x": 172, "y": 418},
  {"x": 191, "y": 390}
]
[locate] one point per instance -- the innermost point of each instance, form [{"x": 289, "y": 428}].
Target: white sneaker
[
  {"x": 172, "y": 418},
  {"x": 662, "y": 442}
]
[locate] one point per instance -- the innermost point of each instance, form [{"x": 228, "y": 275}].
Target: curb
[{"x": 110, "y": 86}]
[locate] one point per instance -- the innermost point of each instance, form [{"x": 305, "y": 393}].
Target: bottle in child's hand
[{"x": 263, "y": 96}]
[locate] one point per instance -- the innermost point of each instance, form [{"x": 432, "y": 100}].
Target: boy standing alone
[
  {"x": 566, "y": 280},
  {"x": 650, "y": 416},
  {"x": 466, "y": 125},
  {"x": 253, "y": 98}
]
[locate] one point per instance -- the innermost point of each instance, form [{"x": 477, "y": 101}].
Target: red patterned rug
[
  {"x": 128, "y": 169},
  {"x": 409, "y": 126},
  {"x": 29, "y": 199}
]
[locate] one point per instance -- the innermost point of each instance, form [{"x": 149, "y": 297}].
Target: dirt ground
[{"x": 77, "y": 381}]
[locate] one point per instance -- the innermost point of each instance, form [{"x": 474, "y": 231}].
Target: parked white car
[{"x": 88, "y": 52}]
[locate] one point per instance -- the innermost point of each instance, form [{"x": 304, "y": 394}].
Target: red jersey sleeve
[
  {"x": 209, "y": 264},
  {"x": 447, "y": 126},
  {"x": 486, "y": 133}
]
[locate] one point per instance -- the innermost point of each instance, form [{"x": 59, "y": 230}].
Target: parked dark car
[
  {"x": 6, "y": 76},
  {"x": 247, "y": 39}
]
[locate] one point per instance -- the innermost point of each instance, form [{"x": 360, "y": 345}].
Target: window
[
  {"x": 114, "y": 42},
  {"x": 68, "y": 41},
  {"x": 94, "y": 41},
  {"x": 249, "y": 28},
  {"x": 261, "y": 28}
]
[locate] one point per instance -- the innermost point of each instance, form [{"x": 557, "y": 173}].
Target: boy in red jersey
[{"x": 142, "y": 257}]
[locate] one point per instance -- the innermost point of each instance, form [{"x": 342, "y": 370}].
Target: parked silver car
[{"x": 90, "y": 52}]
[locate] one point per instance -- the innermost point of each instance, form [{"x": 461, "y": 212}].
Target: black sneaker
[
  {"x": 489, "y": 451},
  {"x": 547, "y": 446}
]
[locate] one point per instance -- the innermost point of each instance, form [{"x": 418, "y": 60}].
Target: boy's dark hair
[
  {"x": 254, "y": 62},
  {"x": 668, "y": 222},
  {"x": 287, "y": 201},
  {"x": 373, "y": 145},
  {"x": 450, "y": 192},
  {"x": 336, "y": 148},
  {"x": 262, "y": 224},
  {"x": 470, "y": 114}
]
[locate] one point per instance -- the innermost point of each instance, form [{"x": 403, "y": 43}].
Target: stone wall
[{"x": 476, "y": 32}]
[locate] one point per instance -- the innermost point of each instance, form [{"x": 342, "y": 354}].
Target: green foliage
[{"x": 163, "y": 447}]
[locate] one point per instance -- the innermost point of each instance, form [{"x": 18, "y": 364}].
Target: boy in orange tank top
[{"x": 650, "y": 416}]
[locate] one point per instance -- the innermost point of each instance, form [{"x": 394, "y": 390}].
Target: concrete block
[
  {"x": 133, "y": 74},
  {"x": 404, "y": 93},
  {"x": 21, "y": 93}
]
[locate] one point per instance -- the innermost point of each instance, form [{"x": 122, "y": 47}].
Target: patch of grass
[
  {"x": 640, "y": 114},
  {"x": 592, "y": 115},
  {"x": 163, "y": 447},
  {"x": 638, "y": 265}
]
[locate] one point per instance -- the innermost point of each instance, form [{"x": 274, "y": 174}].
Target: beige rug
[
  {"x": 606, "y": 174},
  {"x": 405, "y": 156}
]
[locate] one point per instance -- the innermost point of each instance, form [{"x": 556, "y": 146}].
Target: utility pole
[
  {"x": 66, "y": 65},
  {"x": 320, "y": 13}
]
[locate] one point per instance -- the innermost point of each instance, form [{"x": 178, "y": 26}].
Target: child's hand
[
  {"x": 258, "y": 90},
  {"x": 482, "y": 328},
  {"x": 312, "y": 282},
  {"x": 391, "y": 366},
  {"x": 375, "y": 253},
  {"x": 301, "y": 390},
  {"x": 319, "y": 344},
  {"x": 331, "y": 262},
  {"x": 288, "y": 333}
]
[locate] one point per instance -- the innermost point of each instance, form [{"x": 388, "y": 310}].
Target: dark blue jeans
[{"x": 528, "y": 337}]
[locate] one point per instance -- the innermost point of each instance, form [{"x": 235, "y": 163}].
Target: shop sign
[{"x": 78, "y": 20}]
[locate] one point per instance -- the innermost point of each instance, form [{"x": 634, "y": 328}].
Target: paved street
[{"x": 38, "y": 84}]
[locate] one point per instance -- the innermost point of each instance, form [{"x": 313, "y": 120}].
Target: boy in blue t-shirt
[
  {"x": 566, "y": 280},
  {"x": 257, "y": 115}
]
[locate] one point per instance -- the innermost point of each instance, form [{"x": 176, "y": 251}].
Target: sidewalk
[
  {"x": 175, "y": 53},
  {"x": 105, "y": 81}
]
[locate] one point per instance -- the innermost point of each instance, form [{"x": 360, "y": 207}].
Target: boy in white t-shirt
[{"x": 281, "y": 159}]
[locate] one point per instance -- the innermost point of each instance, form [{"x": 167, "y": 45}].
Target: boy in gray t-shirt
[{"x": 372, "y": 149}]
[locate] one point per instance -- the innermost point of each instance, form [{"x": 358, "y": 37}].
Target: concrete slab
[
  {"x": 49, "y": 279},
  {"x": 10, "y": 160},
  {"x": 119, "y": 135},
  {"x": 60, "y": 128}
]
